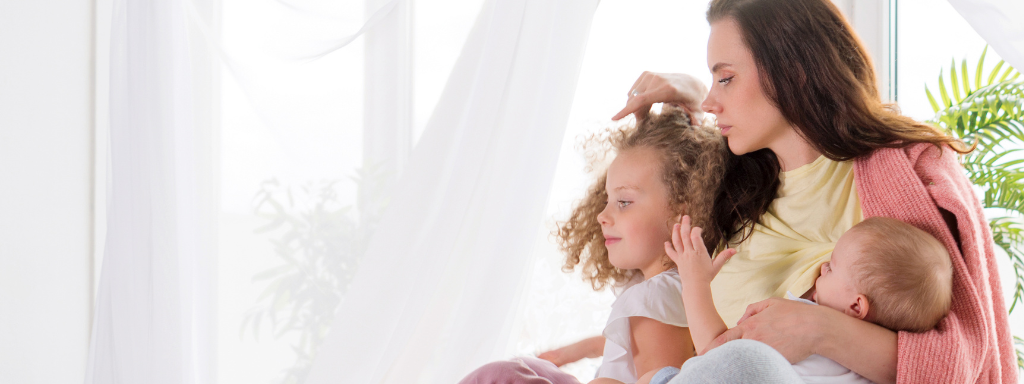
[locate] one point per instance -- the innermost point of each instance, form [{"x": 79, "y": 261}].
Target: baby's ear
[{"x": 859, "y": 308}]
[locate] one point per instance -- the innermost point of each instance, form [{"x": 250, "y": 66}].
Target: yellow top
[{"x": 815, "y": 205}]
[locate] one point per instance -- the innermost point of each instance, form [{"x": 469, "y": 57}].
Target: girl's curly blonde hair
[{"x": 693, "y": 163}]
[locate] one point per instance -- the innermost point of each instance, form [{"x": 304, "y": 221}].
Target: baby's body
[{"x": 882, "y": 270}]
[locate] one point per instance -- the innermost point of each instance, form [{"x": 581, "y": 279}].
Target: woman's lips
[
  {"x": 724, "y": 128},
  {"x": 611, "y": 240}
]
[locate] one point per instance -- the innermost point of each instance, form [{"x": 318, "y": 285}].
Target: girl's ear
[{"x": 859, "y": 308}]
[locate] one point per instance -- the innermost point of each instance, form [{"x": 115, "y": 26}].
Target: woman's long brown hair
[{"x": 816, "y": 72}]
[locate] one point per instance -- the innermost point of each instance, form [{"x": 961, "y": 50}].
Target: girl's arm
[
  {"x": 586, "y": 348},
  {"x": 696, "y": 270},
  {"x": 701, "y": 314},
  {"x": 798, "y": 330},
  {"x": 657, "y": 345}
]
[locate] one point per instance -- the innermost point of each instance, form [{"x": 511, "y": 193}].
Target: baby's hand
[{"x": 687, "y": 250}]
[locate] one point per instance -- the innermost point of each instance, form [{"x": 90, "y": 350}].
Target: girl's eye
[
  {"x": 726, "y": 80},
  {"x": 624, "y": 203}
]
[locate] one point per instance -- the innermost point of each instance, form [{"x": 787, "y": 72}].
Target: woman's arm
[{"x": 799, "y": 330}]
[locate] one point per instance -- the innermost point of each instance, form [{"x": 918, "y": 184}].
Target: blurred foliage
[
  {"x": 320, "y": 242},
  {"x": 989, "y": 110}
]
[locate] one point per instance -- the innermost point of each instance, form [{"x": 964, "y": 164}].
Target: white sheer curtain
[
  {"x": 1000, "y": 23},
  {"x": 145, "y": 327},
  {"x": 435, "y": 295}
]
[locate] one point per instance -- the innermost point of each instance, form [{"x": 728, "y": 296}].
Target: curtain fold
[
  {"x": 432, "y": 297},
  {"x": 1000, "y": 23},
  {"x": 145, "y": 327}
]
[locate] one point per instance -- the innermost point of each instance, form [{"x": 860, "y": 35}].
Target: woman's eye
[
  {"x": 726, "y": 80},
  {"x": 624, "y": 203}
]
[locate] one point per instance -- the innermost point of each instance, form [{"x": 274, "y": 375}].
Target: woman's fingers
[
  {"x": 633, "y": 105},
  {"x": 636, "y": 84},
  {"x": 756, "y": 308}
]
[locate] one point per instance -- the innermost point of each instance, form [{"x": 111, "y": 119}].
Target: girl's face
[
  {"x": 745, "y": 115},
  {"x": 635, "y": 220}
]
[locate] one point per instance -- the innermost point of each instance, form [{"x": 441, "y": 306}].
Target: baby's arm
[{"x": 696, "y": 270}]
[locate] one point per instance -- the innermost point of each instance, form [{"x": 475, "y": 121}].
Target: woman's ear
[{"x": 859, "y": 308}]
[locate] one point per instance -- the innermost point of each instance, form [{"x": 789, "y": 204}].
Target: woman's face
[{"x": 745, "y": 115}]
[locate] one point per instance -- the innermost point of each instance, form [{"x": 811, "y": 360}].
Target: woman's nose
[{"x": 709, "y": 105}]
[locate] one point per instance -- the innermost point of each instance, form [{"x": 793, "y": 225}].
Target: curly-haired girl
[{"x": 663, "y": 168}]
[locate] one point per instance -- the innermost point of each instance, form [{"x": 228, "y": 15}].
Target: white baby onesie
[{"x": 818, "y": 369}]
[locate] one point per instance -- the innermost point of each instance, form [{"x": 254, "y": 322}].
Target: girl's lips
[
  {"x": 611, "y": 240},
  {"x": 724, "y": 128}
]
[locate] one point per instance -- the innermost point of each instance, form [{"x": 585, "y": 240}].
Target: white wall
[{"x": 45, "y": 189}]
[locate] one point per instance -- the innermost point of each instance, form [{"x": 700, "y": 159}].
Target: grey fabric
[
  {"x": 664, "y": 375},
  {"x": 738, "y": 361}
]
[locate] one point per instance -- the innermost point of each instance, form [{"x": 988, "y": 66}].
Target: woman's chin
[{"x": 736, "y": 147}]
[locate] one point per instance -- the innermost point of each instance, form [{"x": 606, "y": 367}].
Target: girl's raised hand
[{"x": 687, "y": 250}]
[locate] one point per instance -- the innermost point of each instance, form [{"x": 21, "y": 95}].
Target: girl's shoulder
[{"x": 658, "y": 298}]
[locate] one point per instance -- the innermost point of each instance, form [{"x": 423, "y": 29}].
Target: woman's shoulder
[{"x": 886, "y": 167}]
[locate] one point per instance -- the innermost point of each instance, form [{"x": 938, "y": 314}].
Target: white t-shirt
[
  {"x": 818, "y": 369},
  {"x": 659, "y": 298}
]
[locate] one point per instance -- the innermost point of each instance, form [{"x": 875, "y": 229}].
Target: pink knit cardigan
[{"x": 972, "y": 344}]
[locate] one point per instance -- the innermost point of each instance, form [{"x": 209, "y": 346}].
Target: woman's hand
[
  {"x": 591, "y": 347},
  {"x": 792, "y": 328},
  {"x": 798, "y": 330},
  {"x": 679, "y": 89}
]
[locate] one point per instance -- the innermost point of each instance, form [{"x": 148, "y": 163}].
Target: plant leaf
[
  {"x": 954, "y": 81},
  {"x": 981, "y": 66},
  {"x": 931, "y": 99},
  {"x": 995, "y": 71},
  {"x": 942, "y": 92},
  {"x": 966, "y": 82}
]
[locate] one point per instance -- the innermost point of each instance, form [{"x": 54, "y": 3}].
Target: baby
[{"x": 882, "y": 270}]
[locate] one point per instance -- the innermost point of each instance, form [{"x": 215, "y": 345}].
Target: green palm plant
[{"x": 989, "y": 111}]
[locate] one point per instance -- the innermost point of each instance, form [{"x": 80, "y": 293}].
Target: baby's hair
[
  {"x": 905, "y": 273},
  {"x": 693, "y": 162}
]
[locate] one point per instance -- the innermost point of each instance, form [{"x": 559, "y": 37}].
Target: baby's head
[
  {"x": 889, "y": 273},
  {"x": 663, "y": 168}
]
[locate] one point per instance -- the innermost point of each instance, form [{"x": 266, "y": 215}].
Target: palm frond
[{"x": 1008, "y": 234}]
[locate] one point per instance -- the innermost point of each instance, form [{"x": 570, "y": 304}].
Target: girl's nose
[
  {"x": 823, "y": 266},
  {"x": 602, "y": 218}
]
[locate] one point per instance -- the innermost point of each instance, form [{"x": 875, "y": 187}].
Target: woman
[
  {"x": 794, "y": 89},
  {"x": 794, "y": 93}
]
